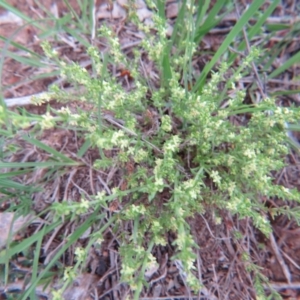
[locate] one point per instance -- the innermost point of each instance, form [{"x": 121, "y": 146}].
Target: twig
[
  {"x": 216, "y": 279},
  {"x": 259, "y": 84},
  {"x": 199, "y": 261},
  {"x": 283, "y": 285},
  {"x": 237, "y": 52},
  {"x": 270, "y": 20},
  {"x": 291, "y": 260},
  {"x": 70, "y": 177},
  {"x": 18, "y": 287},
  {"x": 130, "y": 45},
  {"x": 104, "y": 185},
  {"x": 283, "y": 82},
  {"x": 163, "y": 275},
  {"x": 283, "y": 19},
  {"x": 94, "y": 22},
  {"x": 166, "y": 298},
  {"x": 91, "y": 178},
  {"x": 106, "y": 274},
  {"x": 207, "y": 225},
  {"x": 110, "y": 290},
  {"x": 280, "y": 259},
  {"x": 111, "y": 120},
  {"x": 183, "y": 276},
  {"x": 21, "y": 101},
  {"x": 53, "y": 236}
]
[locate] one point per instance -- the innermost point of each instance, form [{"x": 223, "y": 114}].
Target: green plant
[{"x": 179, "y": 148}]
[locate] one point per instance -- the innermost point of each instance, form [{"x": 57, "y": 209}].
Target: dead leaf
[
  {"x": 54, "y": 10},
  {"x": 80, "y": 288},
  {"x": 138, "y": 3},
  {"x": 117, "y": 12},
  {"x": 144, "y": 13},
  {"x": 10, "y": 18},
  {"x": 157, "y": 290},
  {"x": 9, "y": 225},
  {"x": 172, "y": 10},
  {"x": 169, "y": 30},
  {"x": 151, "y": 270}
]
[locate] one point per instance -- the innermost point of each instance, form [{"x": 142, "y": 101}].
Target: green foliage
[
  {"x": 236, "y": 160},
  {"x": 193, "y": 153}
]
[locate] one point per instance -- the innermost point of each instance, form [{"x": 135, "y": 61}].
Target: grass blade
[
  {"x": 56, "y": 154},
  {"x": 256, "y": 28},
  {"x": 7, "y": 183},
  {"x": 15, "y": 11},
  {"x": 47, "y": 164},
  {"x": 5, "y": 255},
  {"x": 37, "y": 253},
  {"x": 24, "y": 60},
  {"x": 202, "y": 12},
  {"x": 21, "y": 47},
  {"x": 71, "y": 240},
  {"x": 12, "y": 174},
  {"x": 230, "y": 37},
  {"x": 86, "y": 145},
  {"x": 290, "y": 62},
  {"x": 210, "y": 21}
]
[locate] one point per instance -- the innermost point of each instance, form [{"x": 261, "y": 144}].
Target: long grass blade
[
  {"x": 290, "y": 62},
  {"x": 210, "y": 21},
  {"x": 47, "y": 164},
  {"x": 71, "y": 240},
  {"x": 37, "y": 254},
  {"x": 21, "y": 47},
  {"x": 10, "y": 184},
  {"x": 12, "y": 174},
  {"x": 57, "y": 155},
  {"x": 33, "y": 62},
  {"x": 86, "y": 145},
  {"x": 15, "y": 11},
  {"x": 230, "y": 37},
  {"x": 256, "y": 28},
  {"x": 5, "y": 255}
]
